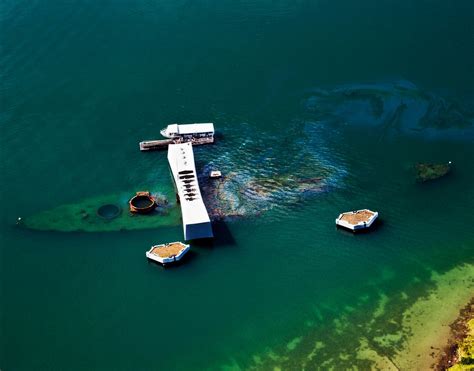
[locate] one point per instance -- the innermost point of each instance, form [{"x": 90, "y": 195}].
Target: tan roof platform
[
  {"x": 168, "y": 252},
  {"x": 357, "y": 220}
]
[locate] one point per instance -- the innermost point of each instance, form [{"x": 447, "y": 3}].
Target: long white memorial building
[{"x": 196, "y": 222}]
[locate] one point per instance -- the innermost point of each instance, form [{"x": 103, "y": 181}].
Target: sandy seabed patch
[
  {"x": 429, "y": 318},
  {"x": 400, "y": 333},
  {"x": 425, "y": 324}
]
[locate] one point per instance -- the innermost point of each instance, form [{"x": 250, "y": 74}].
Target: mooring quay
[
  {"x": 196, "y": 134},
  {"x": 196, "y": 221}
]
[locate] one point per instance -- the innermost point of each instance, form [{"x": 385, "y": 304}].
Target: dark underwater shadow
[
  {"x": 436, "y": 183},
  {"x": 376, "y": 226},
  {"x": 222, "y": 237},
  {"x": 218, "y": 136},
  {"x": 186, "y": 259}
]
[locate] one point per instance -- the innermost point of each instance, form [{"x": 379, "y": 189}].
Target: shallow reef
[
  {"x": 459, "y": 353},
  {"x": 405, "y": 331}
]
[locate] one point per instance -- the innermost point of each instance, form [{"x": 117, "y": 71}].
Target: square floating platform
[{"x": 357, "y": 220}]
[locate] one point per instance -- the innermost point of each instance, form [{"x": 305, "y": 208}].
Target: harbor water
[{"x": 321, "y": 107}]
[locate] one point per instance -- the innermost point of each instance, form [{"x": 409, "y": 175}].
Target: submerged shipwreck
[
  {"x": 107, "y": 213},
  {"x": 254, "y": 175},
  {"x": 237, "y": 195},
  {"x": 426, "y": 172},
  {"x": 142, "y": 203},
  {"x": 258, "y": 176}
]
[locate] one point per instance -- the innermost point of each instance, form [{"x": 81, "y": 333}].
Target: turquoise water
[{"x": 352, "y": 92}]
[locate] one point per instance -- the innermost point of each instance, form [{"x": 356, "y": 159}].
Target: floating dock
[
  {"x": 196, "y": 221},
  {"x": 167, "y": 253},
  {"x": 153, "y": 145},
  {"x": 196, "y": 134},
  {"x": 357, "y": 220}
]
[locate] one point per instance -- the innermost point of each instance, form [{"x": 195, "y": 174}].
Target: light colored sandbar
[
  {"x": 414, "y": 339},
  {"x": 428, "y": 320}
]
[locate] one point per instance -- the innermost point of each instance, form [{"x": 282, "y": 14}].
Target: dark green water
[{"x": 83, "y": 82}]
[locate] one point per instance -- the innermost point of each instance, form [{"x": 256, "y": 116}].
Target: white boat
[
  {"x": 167, "y": 253},
  {"x": 215, "y": 174},
  {"x": 189, "y": 131},
  {"x": 357, "y": 220}
]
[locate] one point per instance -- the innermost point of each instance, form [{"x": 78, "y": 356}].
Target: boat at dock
[
  {"x": 215, "y": 174},
  {"x": 357, "y": 220},
  {"x": 168, "y": 252},
  {"x": 189, "y": 131},
  {"x": 196, "y": 134}
]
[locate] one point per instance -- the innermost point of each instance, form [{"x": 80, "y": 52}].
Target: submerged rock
[{"x": 426, "y": 172}]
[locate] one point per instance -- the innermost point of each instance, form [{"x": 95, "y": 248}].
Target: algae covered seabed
[
  {"x": 320, "y": 107},
  {"x": 401, "y": 332}
]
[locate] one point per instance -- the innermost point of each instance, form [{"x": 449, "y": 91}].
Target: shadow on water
[
  {"x": 376, "y": 226},
  {"x": 445, "y": 180},
  {"x": 222, "y": 237},
  {"x": 218, "y": 135},
  {"x": 186, "y": 259}
]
